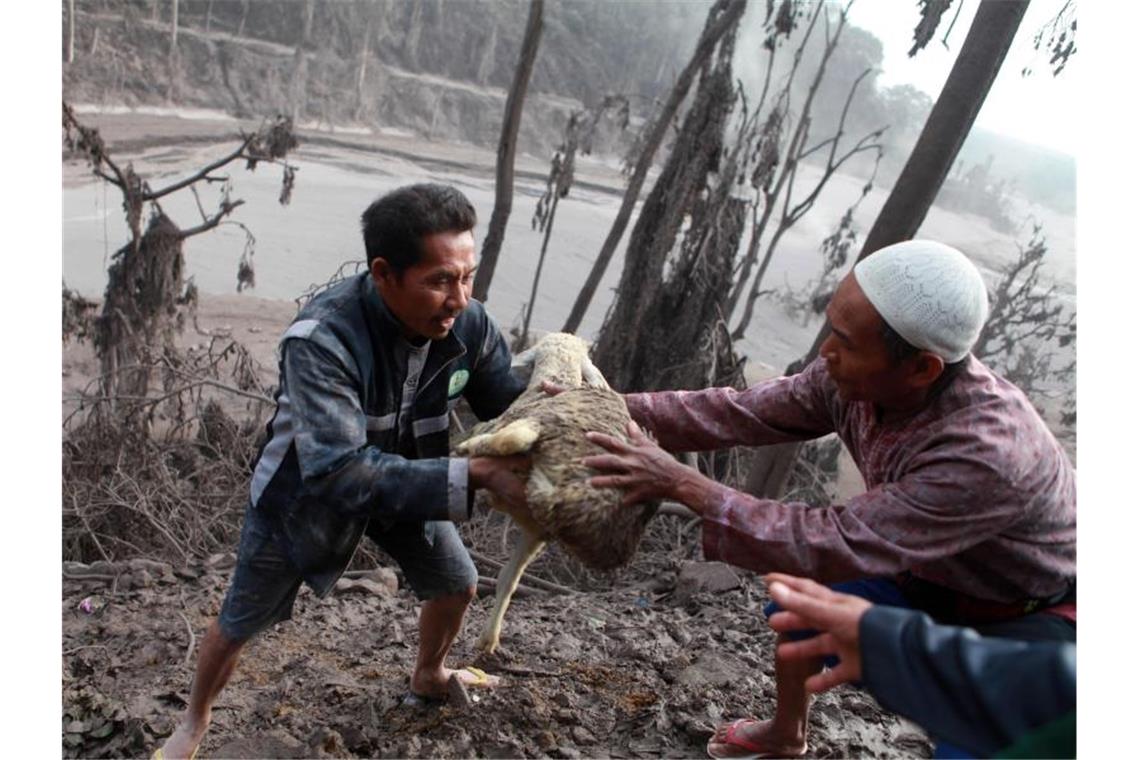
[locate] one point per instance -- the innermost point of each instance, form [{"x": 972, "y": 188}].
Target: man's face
[
  {"x": 856, "y": 352},
  {"x": 428, "y": 297}
]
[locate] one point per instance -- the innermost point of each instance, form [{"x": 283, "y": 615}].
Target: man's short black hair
[
  {"x": 899, "y": 349},
  {"x": 396, "y": 223}
]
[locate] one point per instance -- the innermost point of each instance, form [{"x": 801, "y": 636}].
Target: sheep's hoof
[{"x": 487, "y": 644}]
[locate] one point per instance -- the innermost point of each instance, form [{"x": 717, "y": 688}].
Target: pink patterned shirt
[{"x": 971, "y": 492}]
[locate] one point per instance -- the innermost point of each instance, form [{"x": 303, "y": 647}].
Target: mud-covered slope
[{"x": 645, "y": 668}]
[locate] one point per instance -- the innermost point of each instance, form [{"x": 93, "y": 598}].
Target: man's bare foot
[
  {"x": 434, "y": 685},
  {"x": 183, "y": 743},
  {"x": 753, "y": 738}
]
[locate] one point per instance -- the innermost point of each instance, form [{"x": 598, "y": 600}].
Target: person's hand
[
  {"x": 641, "y": 468},
  {"x": 807, "y": 604},
  {"x": 504, "y": 478}
]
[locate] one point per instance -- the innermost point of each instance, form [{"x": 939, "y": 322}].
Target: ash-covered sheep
[{"x": 589, "y": 522}]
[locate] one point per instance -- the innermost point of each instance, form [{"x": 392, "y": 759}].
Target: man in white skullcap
[{"x": 970, "y": 508}]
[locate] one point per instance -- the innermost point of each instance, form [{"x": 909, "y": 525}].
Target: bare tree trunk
[
  {"x": 487, "y": 64},
  {"x": 365, "y": 51},
  {"x": 172, "y": 58},
  {"x": 505, "y": 163},
  {"x": 951, "y": 119},
  {"x": 71, "y": 31},
  {"x": 722, "y": 17},
  {"x": 244, "y": 15},
  {"x": 538, "y": 270},
  {"x": 412, "y": 38},
  {"x": 623, "y": 352},
  {"x": 790, "y": 162},
  {"x": 299, "y": 84},
  {"x": 209, "y": 14}
]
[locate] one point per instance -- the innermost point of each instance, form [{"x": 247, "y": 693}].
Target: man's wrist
[{"x": 691, "y": 488}]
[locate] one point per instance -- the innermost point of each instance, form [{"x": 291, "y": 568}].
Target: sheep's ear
[
  {"x": 592, "y": 376},
  {"x": 524, "y": 359},
  {"x": 523, "y": 365}
]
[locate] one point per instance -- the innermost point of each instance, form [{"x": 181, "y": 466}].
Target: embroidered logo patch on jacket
[{"x": 457, "y": 382}]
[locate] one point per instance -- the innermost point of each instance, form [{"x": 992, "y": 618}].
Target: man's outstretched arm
[{"x": 983, "y": 694}]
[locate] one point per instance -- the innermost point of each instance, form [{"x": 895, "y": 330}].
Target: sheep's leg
[
  {"x": 514, "y": 438},
  {"x": 528, "y": 546}
]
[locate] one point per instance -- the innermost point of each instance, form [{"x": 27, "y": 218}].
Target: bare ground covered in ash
[{"x": 641, "y": 664}]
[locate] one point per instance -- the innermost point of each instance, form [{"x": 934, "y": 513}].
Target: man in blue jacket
[{"x": 358, "y": 444}]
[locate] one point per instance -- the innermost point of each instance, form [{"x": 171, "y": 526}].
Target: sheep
[{"x": 589, "y": 522}]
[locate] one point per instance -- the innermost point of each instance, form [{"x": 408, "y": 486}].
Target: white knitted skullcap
[{"x": 930, "y": 293}]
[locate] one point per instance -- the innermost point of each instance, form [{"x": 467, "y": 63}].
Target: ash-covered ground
[{"x": 643, "y": 663}]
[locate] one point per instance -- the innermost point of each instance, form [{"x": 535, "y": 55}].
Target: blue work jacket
[{"x": 329, "y": 464}]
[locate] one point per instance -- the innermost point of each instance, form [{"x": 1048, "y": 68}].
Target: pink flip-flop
[{"x": 752, "y": 750}]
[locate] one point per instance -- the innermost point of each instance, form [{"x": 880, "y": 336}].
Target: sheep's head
[{"x": 563, "y": 359}]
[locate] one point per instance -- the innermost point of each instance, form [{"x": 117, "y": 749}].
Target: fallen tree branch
[
  {"x": 89, "y": 577},
  {"x": 174, "y": 392}
]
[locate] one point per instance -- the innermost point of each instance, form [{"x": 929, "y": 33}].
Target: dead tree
[
  {"x": 764, "y": 177},
  {"x": 371, "y": 10},
  {"x": 172, "y": 62},
  {"x": 812, "y": 299},
  {"x": 1027, "y": 324},
  {"x": 578, "y": 138},
  {"x": 679, "y": 337},
  {"x": 298, "y": 81},
  {"x": 146, "y": 288},
  {"x": 505, "y": 161},
  {"x": 951, "y": 118},
  {"x": 71, "y": 31},
  {"x": 723, "y": 16},
  {"x": 648, "y": 336},
  {"x": 244, "y": 16},
  {"x": 621, "y": 351},
  {"x": 1061, "y": 42},
  {"x": 789, "y": 214},
  {"x": 798, "y": 149}
]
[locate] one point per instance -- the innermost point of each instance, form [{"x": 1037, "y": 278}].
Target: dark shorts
[
  {"x": 265, "y": 581},
  {"x": 1039, "y": 626}
]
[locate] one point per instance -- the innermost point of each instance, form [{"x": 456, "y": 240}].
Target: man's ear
[
  {"x": 927, "y": 368},
  {"x": 382, "y": 272}
]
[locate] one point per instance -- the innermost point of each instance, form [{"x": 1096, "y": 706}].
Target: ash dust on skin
[{"x": 642, "y": 664}]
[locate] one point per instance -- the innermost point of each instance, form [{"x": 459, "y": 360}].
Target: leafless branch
[
  {"x": 224, "y": 210},
  {"x": 202, "y": 173}
]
